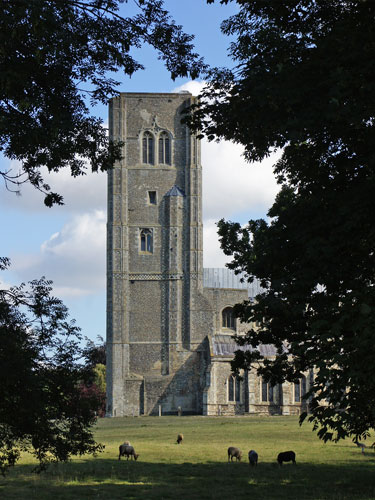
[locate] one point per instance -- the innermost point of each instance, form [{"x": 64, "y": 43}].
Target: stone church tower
[
  {"x": 155, "y": 261},
  {"x": 169, "y": 338}
]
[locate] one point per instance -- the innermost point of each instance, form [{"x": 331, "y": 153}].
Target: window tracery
[
  {"x": 164, "y": 148},
  {"x": 235, "y": 389},
  {"x": 146, "y": 241},
  {"x": 268, "y": 392},
  {"x": 148, "y": 148}
]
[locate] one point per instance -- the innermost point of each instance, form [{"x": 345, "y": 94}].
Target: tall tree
[
  {"x": 43, "y": 409},
  {"x": 304, "y": 82},
  {"x": 56, "y": 54},
  {"x": 94, "y": 355}
]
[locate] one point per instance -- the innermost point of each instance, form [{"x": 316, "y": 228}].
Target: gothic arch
[
  {"x": 235, "y": 389},
  {"x": 148, "y": 148},
  {"x": 164, "y": 148},
  {"x": 228, "y": 319},
  {"x": 146, "y": 240}
]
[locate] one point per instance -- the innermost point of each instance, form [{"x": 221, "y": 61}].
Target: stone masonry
[{"x": 163, "y": 326}]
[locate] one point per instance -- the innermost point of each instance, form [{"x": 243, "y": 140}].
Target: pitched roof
[
  {"x": 224, "y": 345},
  {"x": 215, "y": 277}
]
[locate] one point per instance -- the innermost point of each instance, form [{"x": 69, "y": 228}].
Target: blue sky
[{"x": 67, "y": 244}]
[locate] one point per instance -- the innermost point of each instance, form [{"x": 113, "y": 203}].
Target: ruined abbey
[{"x": 169, "y": 321}]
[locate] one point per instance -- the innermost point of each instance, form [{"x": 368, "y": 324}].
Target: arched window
[
  {"x": 235, "y": 386},
  {"x": 164, "y": 148},
  {"x": 146, "y": 238},
  {"x": 231, "y": 388},
  {"x": 238, "y": 390},
  {"x": 268, "y": 392},
  {"x": 228, "y": 319},
  {"x": 148, "y": 148},
  {"x": 297, "y": 392},
  {"x": 299, "y": 389}
]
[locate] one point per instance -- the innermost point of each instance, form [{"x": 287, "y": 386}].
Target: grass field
[{"x": 198, "y": 468}]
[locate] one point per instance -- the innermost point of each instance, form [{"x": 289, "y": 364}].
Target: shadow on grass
[{"x": 113, "y": 479}]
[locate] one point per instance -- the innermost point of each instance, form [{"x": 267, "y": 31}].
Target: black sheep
[
  {"x": 286, "y": 456},
  {"x": 253, "y": 457}
]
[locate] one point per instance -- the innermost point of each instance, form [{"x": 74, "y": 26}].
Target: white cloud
[
  {"x": 194, "y": 87},
  {"x": 85, "y": 192},
  {"x": 74, "y": 257},
  {"x": 82, "y": 193},
  {"x": 213, "y": 256},
  {"x": 231, "y": 185},
  {"x": 232, "y": 189}
]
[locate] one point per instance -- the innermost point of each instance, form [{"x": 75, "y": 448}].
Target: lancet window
[
  {"x": 164, "y": 148},
  {"x": 228, "y": 319},
  {"x": 146, "y": 243},
  {"x": 148, "y": 148},
  {"x": 267, "y": 392},
  {"x": 299, "y": 389},
  {"x": 235, "y": 386}
]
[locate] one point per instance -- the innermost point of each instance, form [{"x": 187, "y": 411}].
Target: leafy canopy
[
  {"x": 304, "y": 82},
  {"x": 56, "y": 54},
  {"x": 94, "y": 353},
  {"x": 95, "y": 370},
  {"x": 43, "y": 408}
]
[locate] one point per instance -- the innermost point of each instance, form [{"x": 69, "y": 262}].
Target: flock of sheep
[
  {"x": 127, "y": 450},
  {"x": 285, "y": 456}
]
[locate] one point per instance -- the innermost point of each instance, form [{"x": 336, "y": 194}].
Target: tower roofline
[{"x": 155, "y": 94}]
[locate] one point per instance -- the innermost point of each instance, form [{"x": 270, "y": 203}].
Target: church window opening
[
  {"x": 146, "y": 237},
  {"x": 148, "y": 148},
  {"x": 235, "y": 386},
  {"x": 299, "y": 389},
  {"x": 164, "y": 148},
  {"x": 228, "y": 319},
  {"x": 238, "y": 389},
  {"x": 268, "y": 392},
  {"x": 231, "y": 388},
  {"x": 297, "y": 392},
  {"x": 152, "y": 197}
]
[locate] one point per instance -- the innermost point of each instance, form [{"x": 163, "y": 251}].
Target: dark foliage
[
  {"x": 304, "y": 82},
  {"x": 43, "y": 409},
  {"x": 94, "y": 353},
  {"x": 91, "y": 390},
  {"x": 55, "y": 54}
]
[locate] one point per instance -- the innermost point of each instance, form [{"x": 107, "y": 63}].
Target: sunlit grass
[{"x": 198, "y": 467}]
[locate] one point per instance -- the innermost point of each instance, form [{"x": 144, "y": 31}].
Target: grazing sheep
[
  {"x": 286, "y": 456},
  {"x": 360, "y": 445},
  {"x": 234, "y": 453},
  {"x": 180, "y": 438},
  {"x": 253, "y": 458},
  {"x": 127, "y": 451}
]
